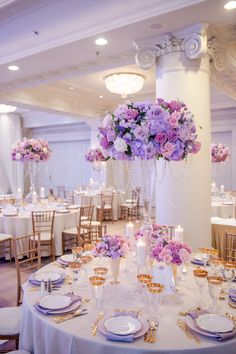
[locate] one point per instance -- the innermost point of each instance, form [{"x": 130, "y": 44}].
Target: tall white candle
[
  {"x": 179, "y": 233},
  {"x": 34, "y": 197},
  {"x": 19, "y": 193},
  {"x": 222, "y": 188},
  {"x": 141, "y": 252},
  {"x": 129, "y": 230},
  {"x": 42, "y": 192}
]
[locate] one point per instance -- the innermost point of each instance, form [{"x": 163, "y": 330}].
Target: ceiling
[{"x": 60, "y": 66}]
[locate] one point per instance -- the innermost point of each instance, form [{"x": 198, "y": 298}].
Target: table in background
[
  {"x": 219, "y": 228},
  {"x": 21, "y": 225},
  {"x": 40, "y": 335}
]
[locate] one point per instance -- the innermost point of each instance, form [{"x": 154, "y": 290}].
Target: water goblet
[
  {"x": 75, "y": 268},
  {"x": 77, "y": 252},
  {"x": 215, "y": 288},
  {"x": 97, "y": 286},
  {"x": 205, "y": 256},
  {"x": 155, "y": 290},
  {"x": 101, "y": 271},
  {"x": 216, "y": 265},
  {"x": 143, "y": 281},
  {"x": 200, "y": 276},
  {"x": 229, "y": 270}
]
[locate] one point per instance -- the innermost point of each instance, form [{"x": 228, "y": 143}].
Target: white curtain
[{"x": 11, "y": 172}]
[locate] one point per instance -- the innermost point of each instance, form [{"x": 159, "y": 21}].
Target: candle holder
[{"x": 97, "y": 286}]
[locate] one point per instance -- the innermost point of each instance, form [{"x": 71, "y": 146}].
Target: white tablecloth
[
  {"x": 96, "y": 200},
  {"x": 40, "y": 335},
  {"x": 223, "y": 210},
  {"x": 22, "y": 225}
]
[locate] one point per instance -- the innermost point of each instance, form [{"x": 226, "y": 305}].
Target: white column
[{"x": 184, "y": 196}]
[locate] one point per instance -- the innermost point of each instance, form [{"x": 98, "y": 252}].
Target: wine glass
[
  {"x": 200, "y": 276},
  {"x": 101, "y": 271},
  {"x": 215, "y": 288},
  {"x": 97, "y": 286},
  {"x": 143, "y": 281},
  {"x": 75, "y": 268},
  {"x": 77, "y": 252},
  {"x": 205, "y": 256},
  {"x": 229, "y": 272},
  {"x": 155, "y": 290},
  {"x": 216, "y": 265}
]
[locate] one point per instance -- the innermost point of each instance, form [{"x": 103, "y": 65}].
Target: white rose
[
  {"x": 120, "y": 145},
  {"x": 18, "y": 156},
  {"x": 45, "y": 150}
]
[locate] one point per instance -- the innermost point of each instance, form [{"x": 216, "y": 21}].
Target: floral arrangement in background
[
  {"x": 171, "y": 251},
  {"x": 95, "y": 155},
  {"x": 31, "y": 150},
  {"x": 219, "y": 152},
  {"x": 158, "y": 231},
  {"x": 149, "y": 131},
  {"x": 113, "y": 246}
]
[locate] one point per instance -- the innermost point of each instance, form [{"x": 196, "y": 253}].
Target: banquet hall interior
[{"x": 118, "y": 176}]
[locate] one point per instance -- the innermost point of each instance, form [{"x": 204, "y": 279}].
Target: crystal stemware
[
  {"x": 77, "y": 252},
  {"x": 143, "y": 281},
  {"x": 75, "y": 268},
  {"x": 200, "y": 276},
  {"x": 229, "y": 270},
  {"x": 216, "y": 265},
  {"x": 215, "y": 287},
  {"x": 101, "y": 271},
  {"x": 97, "y": 286},
  {"x": 155, "y": 290}
]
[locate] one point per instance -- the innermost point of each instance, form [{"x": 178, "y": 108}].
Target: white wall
[{"x": 224, "y": 131}]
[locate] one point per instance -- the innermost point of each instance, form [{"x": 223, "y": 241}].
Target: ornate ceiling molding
[{"x": 100, "y": 63}]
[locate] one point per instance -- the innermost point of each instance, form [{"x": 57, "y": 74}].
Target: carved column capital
[{"x": 194, "y": 45}]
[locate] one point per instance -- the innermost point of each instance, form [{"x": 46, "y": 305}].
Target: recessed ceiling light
[
  {"x": 71, "y": 88},
  {"x": 101, "y": 96},
  {"x": 230, "y": 5},
  {"x": 13, "y": 67},
  {"x": 5, "y": 108},
  {"x": 101, "y": 41}
]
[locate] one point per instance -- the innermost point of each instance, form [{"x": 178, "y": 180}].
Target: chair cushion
[
  {"x": 95, "y": 223},
  {"x": 105, "y": 207},
  {"x": 84, "y": 218},
  {"x": 44, "y": 236},
  {"x": 5, "y": 237},
  {"x": 71, "y": 231},
  {"x": 19, "y": 352},
  {"x": 130, "y": 206},
  {"x": 10, "y": 320}
]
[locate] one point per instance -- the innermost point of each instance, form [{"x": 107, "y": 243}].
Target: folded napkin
[
  {"x": 75, "y": 302},
  {"x": 198, "y": 262},
  {"x": 117, "y": 337},
  {"x": 232, "y": 294},
  {"x": 217, "y": 336}
]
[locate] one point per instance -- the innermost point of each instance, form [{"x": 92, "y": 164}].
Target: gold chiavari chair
[
  {"x": 43, "y": 222},
  {"x": 27, "y": 256},
  {"x": 69, "y": 236},
  {"x": 230, "y": 247},
  {"x": 131, "y": 208},
  {"x": 91, "y": 234},
  {"x": 5, "y": 245},
  {"x": 107, "y": 199},
  {"x": 70, "y": 197}
]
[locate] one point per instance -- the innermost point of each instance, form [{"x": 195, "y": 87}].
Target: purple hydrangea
[{"x": 113, "y": 246}]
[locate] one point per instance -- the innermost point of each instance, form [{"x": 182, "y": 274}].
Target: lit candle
[
  {"x": 179, "y": 233},
  {"x": 34, "y": 197},
  {"x": 19, "y": 193},
  {"x": 129, "y": 230},
  {"x": 213, "y": 187},
  {"x": 141, "y": 252},
  {"x": 222, "y": 188},
  {"x": 42, "y": 192}
]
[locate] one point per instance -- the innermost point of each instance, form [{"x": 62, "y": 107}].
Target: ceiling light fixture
[
  {"x": 13, "y": 67},
  {"x": 100, "y": 96},
  {"x": 230, "y": 5},
  {"x": 5, "y": 108},
  {"x": 124, "y": 84},
  {"x": 101, "y": 41}
]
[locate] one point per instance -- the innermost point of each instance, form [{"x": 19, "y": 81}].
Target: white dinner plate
[
  {"x": 62, "y": 211},
  {"x": 214, "y": 323},
  {"x": 55, "y": 302},
  {"x": 122, "y": 325},
  {"x": 74, "y": 206},
  {"x": 67, "y": 258},
  {"x": 47, "y": 275},
  {"x": 198, "y": 257}
]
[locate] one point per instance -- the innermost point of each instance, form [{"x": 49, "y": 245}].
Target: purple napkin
[
  {"x": 232, "y": 294},
  {"x": 75, "y": 302},
  {"x": 217, "y": 336},
  {"x": 196, "y": 261},
  {"x": 117, "y": 337}
]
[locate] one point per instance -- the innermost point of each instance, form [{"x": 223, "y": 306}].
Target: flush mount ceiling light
[
  {"x": 230, "y": 5},
  {"x": 124, "y": 84},
  {"x": 13, "y": 67},
  {"x": 101, "y": 41},
  {"x": 5, "y": 108}
]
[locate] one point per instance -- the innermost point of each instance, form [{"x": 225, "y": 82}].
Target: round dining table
[
  {"x": 41, "y": 335},
  {"x": 21, "y": 224}
]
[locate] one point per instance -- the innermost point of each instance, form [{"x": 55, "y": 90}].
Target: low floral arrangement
[
  {"x": 113, "y": 246},
  {"x": 219, "y": 152},
  {"x": 149, "y": 131},
  {"x": 95, "y": 155},
  {"x": 27, "y": 150},
  {"x": 158, "y": 231},
  {"x": 171, "y": 251}
]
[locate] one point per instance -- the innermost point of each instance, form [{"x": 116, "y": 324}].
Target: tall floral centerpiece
[
  {"x": 31, "y": 152},
  {"x": 96, "y": 157},
  {"x": 113, "y": 247},
  {"x": 219, "y": 153},
  {"x": 149, "y": 131}
]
